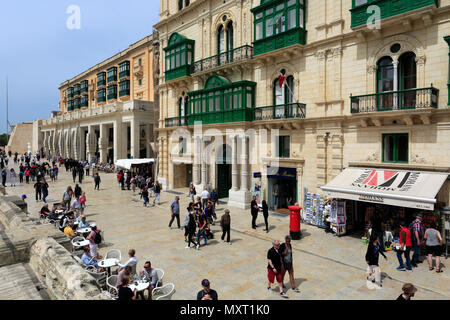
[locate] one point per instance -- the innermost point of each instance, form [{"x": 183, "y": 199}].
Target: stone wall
[
  {"x": 45, "y": 248},
  {"x": 21, "y": 135},
  {"x": 63, "y": 277}
]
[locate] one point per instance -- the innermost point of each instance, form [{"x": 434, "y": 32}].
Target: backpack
[{"x": 97, "y": 238}]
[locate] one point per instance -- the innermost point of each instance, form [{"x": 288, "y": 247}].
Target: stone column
[
  {"x": 135, "y": 140},
  {"x": 234, "y": 165},
  {"x": 91, "y": 144},
  {"x": 148, "y": 142},
  {"x": 204, "y": 164},
  {"x": 395, "y": 104},
  {"x": 45, "y": 143},
  {"x": 76, "y": 144},
  {"x": 197, "y": 161},
  {"x": 67, "y": 143},
  {"x": 81, "y": 138},
  {"x": 117, "y": 139},
  {"x": 103, "y": 143},
  {"x": 244, "y": 165}
]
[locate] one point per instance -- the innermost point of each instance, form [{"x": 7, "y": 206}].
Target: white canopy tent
[
  {"x": 404, "y": 188},
  {"x": 128, "y": 163}
]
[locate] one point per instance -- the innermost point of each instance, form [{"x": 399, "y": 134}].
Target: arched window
[
  {"x": 284, "y": 94},
  {"x": 385, "y": 82},
  {"x": 230, "y": 36},
  {"x": 220, "y": 40},
  {"x": 407, "y": 79}
]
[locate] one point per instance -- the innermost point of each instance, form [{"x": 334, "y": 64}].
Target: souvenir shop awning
[
  {"x": 403, "y": 188},
  {"x": 128, "y": 163}
]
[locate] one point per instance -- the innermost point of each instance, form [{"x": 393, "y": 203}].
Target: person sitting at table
[
  {"x": 83, "y": 222},
  {"x": 125, "y": 272},
  {"x": 125, "y": 293},
  {"x": 65, "y": 220},
  {"x": 148, "y": 275},
  {"x": 53, "y": 215},
  {"x": 89, "y": 260},
  {"x": 76, "y": 205},
  {"x": 69, "y": 230},
  {"x": 132, "y": 262},
  {"x": 45, "y": 211}
]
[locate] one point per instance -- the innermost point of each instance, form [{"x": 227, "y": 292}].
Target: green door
[{"x": 223, "y": 180}]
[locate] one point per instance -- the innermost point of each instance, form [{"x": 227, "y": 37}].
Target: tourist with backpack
[{"x": 94, "y": 240}]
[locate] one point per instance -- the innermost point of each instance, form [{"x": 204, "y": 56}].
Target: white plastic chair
[
  {"x": 100, "y": 277},
  {"x": 111, "y": 284},
  {"x": 114, "y": 254},
  {"x": 164, "y": 292},
  {"x": 160, "y": 273},
  {"x": 76, "y": 239}
]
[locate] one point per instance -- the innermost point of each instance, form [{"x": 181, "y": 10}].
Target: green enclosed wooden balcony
[
  {"x": 231, "y": 56},
  {"x": 226, "y": 116},
  {"x": 389, "y": 8},
  {"x": 278, "y": 24},
  {"x": 285, "y": 111},
  {"x": 423, "y": 98}
]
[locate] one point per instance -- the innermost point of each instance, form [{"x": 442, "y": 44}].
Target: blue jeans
[
  {"x": 156, "y": 197},
  {"x": 44, "y": 196},
  {"x": 202, "y": 233},
  {"x": 400, "y": 259},
  {"x": 415, "y": 256},
  {"x": 145, "y": 201}
]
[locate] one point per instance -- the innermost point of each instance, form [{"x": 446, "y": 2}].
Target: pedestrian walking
[
  {"x": 205, "y": 198},
  {"x": 97, "y": 181},
  {"x": 80, "y": 174},
  {"x": 225, "y": 223},
  {"x": 175, "y": 211},
  {"x": 38, "y": 190},
  {"x": 372, "y": 255},
  {"x": 44, "y": 187},
  {"x": 408, "y": 292},
  {"x": 433, "y": 241},
  {"x": 288, "y": 265},
  {"x": 4, "y": 174},
  {"x": 191, "y": 226},
  {"x": 87, "y": 167},
  {"x": 144, "y": 195},
  {"x": 202, "y": 224},
  {"x": 157, "y": 191},
  {"x": 265, "y": 211},
  {"x": 21, "y": 174},
  {"x": 67, "y": 196},
  {"x": 416, "y": 236},
  {"x": 254, "y": 211},
  {"x": 192, "y": 191},
  {"x": 405, "y": 248},
  {"x": 274, "y": 268},
  {"x": 77, "y": 191},
  {"x": 74, "y": 174},
  {"x": 27, "y": 176},
  {"x": 12, "y": 177}
]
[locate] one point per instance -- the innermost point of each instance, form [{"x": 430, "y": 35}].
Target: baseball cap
[
  {"x": 24, "y": 196},
  {"x": 205, "y": 282}
]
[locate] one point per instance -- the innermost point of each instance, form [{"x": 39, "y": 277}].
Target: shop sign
[
  {"x": 257, "y": 175},
  {"x": 282, "y": 173}
]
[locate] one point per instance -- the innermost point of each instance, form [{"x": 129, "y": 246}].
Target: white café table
[
  {"x": 141, "y": 285},
  {"x": 81, "y": 243},
  {"x": 84, "y": 230},
  {"x": 108, "y": 263}
]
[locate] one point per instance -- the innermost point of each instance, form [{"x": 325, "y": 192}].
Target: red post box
[{"x": 294, "y": 227}]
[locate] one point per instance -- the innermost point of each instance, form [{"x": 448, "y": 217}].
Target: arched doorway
[{"x": 223, "y": 163}]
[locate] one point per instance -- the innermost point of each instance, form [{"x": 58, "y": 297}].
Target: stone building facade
[
  {"x": 361, "y": 85},
  {"x": 107, "y": 112}
]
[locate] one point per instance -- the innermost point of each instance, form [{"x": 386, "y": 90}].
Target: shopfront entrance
[
  {"x": 223, "y": 173},
  {"x": 282, "y": 187}
]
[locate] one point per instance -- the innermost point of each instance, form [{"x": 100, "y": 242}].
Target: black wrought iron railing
[
  {"x": 235, "y": 55},
  {"x": 176, "y": 122},
  {"x": 396, "y": 100},
  {"x": 285, "y": 111}
]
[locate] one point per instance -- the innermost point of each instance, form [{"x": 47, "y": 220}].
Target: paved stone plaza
[{"x": 326, "y": 267}]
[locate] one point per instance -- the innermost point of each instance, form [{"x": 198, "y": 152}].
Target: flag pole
[{"x": 7, "y": 120}]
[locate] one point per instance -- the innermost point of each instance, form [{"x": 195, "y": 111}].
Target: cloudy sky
[{"x": 38, "y": 51}]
